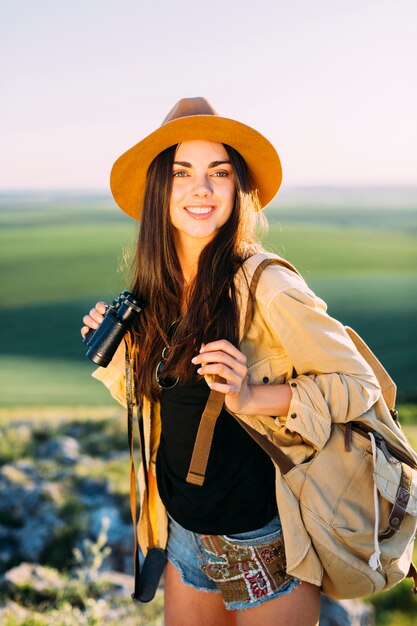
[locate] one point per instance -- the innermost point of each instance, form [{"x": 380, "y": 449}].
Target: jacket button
[
  {"x": 293, "y": 415},
  {"x": 293, "y": 384},
  {"x": 395, "y": 522},
  {"x": 265, "y": 380}
]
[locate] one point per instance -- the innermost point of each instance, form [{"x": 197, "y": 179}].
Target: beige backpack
[{"x": 357, "y": 496}]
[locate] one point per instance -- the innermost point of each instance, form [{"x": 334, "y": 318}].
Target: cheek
[
  {"x": 177, "y": 194},
  {"x": 174, "y": 199}
]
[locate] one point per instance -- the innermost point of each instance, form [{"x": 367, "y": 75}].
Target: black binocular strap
[{"x": 133, "y": 402}]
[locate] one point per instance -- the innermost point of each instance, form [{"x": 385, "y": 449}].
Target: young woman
[{"x": 237, "y": 550}]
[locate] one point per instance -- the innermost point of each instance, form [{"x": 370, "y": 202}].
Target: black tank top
[{"x": 238, "y": 494}]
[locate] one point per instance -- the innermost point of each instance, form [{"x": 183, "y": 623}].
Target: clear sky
[{"x": 332, "y": 83}]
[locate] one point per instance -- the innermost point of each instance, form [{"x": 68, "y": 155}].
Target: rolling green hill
[{"x": 60, "y": 254}]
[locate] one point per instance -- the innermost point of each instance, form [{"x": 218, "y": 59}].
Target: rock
[
  {"x": 12, "y": 473},
  {"x": 34, "y": 576},
  {"x": 61, "y": 449},
  {"x": 27, "y": 467},
  {"x": 122, "y": 584},
  {"x": 12, "y": 610},
  {"x": 51, "y": 504},
  {"x": 118, "y": 537},
  {"x": 18, "y": 496},
  {"x": 28, "y": 516},
  {"x": 37, "y": 531},
  {"x": 8, "y": 546},
  {"x": 117, "y": 528},
  {"x": 93, "y": 487}
]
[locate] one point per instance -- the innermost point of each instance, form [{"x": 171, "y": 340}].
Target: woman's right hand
[{"x": 94, "y": 318}]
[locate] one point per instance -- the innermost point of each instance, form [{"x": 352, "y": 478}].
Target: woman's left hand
[{"x": 221, "y": 358}]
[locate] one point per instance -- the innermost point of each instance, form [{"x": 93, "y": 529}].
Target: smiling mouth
[{"x": 200, "y": 211}]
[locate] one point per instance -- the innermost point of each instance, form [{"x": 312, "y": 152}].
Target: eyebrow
[{"x": 212, "y": 164}]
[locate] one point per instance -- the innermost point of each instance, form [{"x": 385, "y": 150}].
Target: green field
[{"x": 60, "y": 253}]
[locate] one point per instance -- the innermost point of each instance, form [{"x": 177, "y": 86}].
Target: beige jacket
[{"x": 291, "y": 339}]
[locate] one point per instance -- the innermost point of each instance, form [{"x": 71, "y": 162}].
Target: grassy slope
[{"x": 58, "y": 257}]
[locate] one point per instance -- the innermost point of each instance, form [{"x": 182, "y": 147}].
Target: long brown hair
[{"x": 212, "y": 311}]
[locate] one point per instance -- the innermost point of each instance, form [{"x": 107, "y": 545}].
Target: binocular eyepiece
[{"x": 103, "y": 342}]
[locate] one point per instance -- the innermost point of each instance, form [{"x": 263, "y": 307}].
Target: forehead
[{"x": 200, "y": 150}]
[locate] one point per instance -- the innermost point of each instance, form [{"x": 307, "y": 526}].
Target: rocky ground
[{"x": 66, "y": 533}]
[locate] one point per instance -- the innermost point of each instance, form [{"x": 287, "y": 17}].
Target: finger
[
  {"x": 90, "y": 322},
  {"x": 98, "y": 312},
  {"x": 221, "y": 387},
  {"x": 219, "y": 369},
  {"x": 224, "y": 346},
  {"x": 101, "y": 307},
  {"x": 223, "y": 361},
  {"x": 96, "y": 315},
  {"x": 221, "y": 357},
  {"x": 84, "y": 330}
]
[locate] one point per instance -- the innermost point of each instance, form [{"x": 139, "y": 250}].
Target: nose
[{"x": 202, "y": 186}]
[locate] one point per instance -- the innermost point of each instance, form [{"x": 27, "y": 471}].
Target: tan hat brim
[{"x": 128, "y": 175}]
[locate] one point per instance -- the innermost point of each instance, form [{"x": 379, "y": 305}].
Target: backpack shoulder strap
[
  {"x": 215, "y": 402},
  {"x": 254, "y": 283}
]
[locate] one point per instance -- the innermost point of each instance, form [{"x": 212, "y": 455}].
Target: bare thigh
[
  {"x": 300, "y": 607},
  {"x": 187, "y": 606}
]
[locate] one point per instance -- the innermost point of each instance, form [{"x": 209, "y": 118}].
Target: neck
[
  {"x": 188, "y": 268},
  {"x": 188, "y": 255}
]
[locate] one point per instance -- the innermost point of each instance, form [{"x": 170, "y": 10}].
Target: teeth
[{"x": 199, "y": 210}]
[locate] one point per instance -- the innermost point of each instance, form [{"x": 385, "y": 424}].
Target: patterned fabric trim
[{"x": 245, "y": 573}]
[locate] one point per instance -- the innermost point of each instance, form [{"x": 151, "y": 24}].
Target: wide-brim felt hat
[{"x": 191, "y": 119}]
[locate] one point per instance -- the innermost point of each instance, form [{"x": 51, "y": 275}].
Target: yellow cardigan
[{"x": 291, "y": 339}]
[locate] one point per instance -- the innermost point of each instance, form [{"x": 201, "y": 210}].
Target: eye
[
  {"x": 221, "y": 173},
  {"x": 179, "y": 173}
]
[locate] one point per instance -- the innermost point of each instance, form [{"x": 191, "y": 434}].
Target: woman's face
[{"x": 203, "y": 192}]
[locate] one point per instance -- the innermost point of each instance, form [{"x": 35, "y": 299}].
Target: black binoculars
[{"x": 103, "y": 342}]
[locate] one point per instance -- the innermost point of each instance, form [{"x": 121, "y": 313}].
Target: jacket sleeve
[
  {"x": 114, "y": 378},
  {"x": 331, "y": 382}
]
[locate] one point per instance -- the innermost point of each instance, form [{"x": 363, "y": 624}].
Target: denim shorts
[{"x": 246, "y": 568}]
